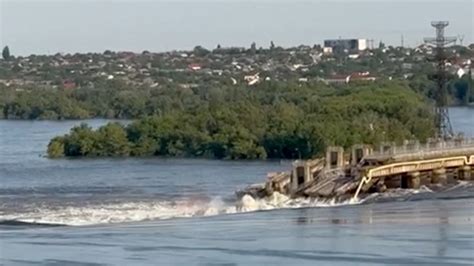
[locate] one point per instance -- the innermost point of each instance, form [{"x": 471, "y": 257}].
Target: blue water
[{"x": 184, "y": 212}]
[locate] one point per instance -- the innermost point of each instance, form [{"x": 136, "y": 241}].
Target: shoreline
[{"x": 469, "y": 106}]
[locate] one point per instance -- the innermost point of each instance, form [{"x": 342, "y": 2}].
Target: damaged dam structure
[{"x": 365, "y": 170}]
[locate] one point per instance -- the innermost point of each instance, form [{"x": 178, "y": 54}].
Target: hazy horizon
[{"x": 48, "y": 27}]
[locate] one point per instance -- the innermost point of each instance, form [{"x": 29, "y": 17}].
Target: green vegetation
[
  {"x": 127, "y": 85},
  {"x": 47, "y": 104},
  {"x": 114, "y": 99},
  {"x": 6, "y": 53},
  {"x": 271, "y": 120},
  {"x": 461, "y": 89},
  {"x": 458, "y": 89}
]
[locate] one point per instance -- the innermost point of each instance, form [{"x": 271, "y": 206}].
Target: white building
[{"x": 345, "y": 45}]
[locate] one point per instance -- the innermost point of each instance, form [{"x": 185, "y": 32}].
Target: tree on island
[
  {"x": 253, "y": 48},
  {"x": 200, "y": 51},
  {"x": 381, "y": 45},
  {"x": 272, "y": 45},
  {"x": 6, "y": 53}
]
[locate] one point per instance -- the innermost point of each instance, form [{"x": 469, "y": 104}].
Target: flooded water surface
[{"x": 184, "y": 212}]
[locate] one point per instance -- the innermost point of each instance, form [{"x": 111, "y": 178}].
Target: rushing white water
[
  {"x": 143, "y": 211},
  {"x": 112, "y": 213},
  {"x": 191, "y": 207}
]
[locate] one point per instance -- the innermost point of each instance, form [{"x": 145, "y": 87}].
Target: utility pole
[
  {"x": 442, "y": 121},
  {"x": 403, "y": 42}
]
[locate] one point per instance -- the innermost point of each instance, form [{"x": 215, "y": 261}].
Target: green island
[{"x": 271, "y": 120}]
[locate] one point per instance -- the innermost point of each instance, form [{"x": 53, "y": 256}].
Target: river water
[{"x": 183, "y": 212}]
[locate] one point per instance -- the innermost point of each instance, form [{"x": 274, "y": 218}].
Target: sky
[{"x": 69, "y": 26}]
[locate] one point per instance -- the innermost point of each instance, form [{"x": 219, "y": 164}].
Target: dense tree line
[
  {"x": 268, "y": 121},
  {"x": 114, "y": 99}
]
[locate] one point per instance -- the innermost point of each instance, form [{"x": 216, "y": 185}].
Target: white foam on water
[
  {"x": 191, "y": 207},
  {"x": 145, "y": 211},
  {"x": 280, "y": 201}
]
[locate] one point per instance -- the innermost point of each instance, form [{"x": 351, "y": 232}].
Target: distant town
[{"x": 338, "y": 61}]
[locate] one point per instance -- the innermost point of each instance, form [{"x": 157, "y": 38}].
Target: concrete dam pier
[{"x": 365, "y": 170}]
